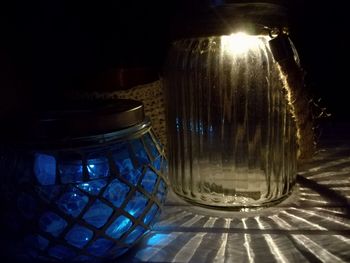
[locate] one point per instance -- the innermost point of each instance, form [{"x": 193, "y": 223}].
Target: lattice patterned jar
[{"x": 73, "y": 192}]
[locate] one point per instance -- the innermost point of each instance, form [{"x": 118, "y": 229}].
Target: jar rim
[{"x": 79, "y": 124}]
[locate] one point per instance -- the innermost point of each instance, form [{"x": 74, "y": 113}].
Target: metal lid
[
  {"x": 253, "y": 17},
  {"x": 79, "y": 120}
]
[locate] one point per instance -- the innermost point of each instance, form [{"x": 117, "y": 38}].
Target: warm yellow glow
[{"x": 239, "y": 43}]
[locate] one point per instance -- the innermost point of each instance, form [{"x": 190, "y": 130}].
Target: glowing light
[
  {"x": 192, "y": 221},
  {"x": 330, "y": 164},
  {"x": 240, "y": 43},
  {"x": 247, "y": 241},
  {"x": 157, "y": 239},
  {"x": 173, "y": 219},
  {"x": 188, "y": 250},
  {"x": 330, "y": 219},
  {"x": 157, "y": 243},
  {"x": 290, "y": 101},
  {"x": 220, "y": 256},
  {"x": 272, "y": 245},
  {"x": 313, "y": 200},
  {"x": 305, "y": 221},
  {"x": 317, "y": 250}
]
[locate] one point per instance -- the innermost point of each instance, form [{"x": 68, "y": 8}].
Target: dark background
[{"x": 48, "y": 47}]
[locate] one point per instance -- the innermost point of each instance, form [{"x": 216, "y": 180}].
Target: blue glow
[
  {"x": 133, "y": 176},
  {"x": 149, "y": 180},
  {"x": 98, "y": 214},
  {"x": 116, "y": 192},
  {"x": 119, "y": 227},
  {"x": 72, "y": 202},
  {"x": 151, "y": 146},
  {"x": 157, "y": 163},
  {"x": 52, "y": 223},
  {"x": 93, "y": 187},
  {"x": 98, "y": 168},
  {"x": 150, "y": 214},
  {"x": 71, "y": 171},
  {"x": 78, "y": 236},
  {"x": 136, "y": 205},
  {"x": 140, "y": 152},
  {"x": 45, "y": 169},
  {"x": 100, "y": 247},
  {"x": 157, "y": 239},
  {"x": 61, "y": 252},
  {"x": 122, "y": 159},
  {"x": 135, "y": 234}
]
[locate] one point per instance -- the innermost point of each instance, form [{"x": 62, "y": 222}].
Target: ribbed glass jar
[{"x": 232, "y": 139}]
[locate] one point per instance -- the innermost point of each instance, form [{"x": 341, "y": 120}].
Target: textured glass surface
[
  {"x": 122, "y": 159},
  {"x": 52, "y": 223},
  {"x": 149, "y": 180},
  {"x": 231, "y": 133},
  {"x": 151, "y": 146},
  {"x": 27, "y": 205},
  {"x": 150, "y": 214},
  {"x": 133, "y": 176},
  {"x": 98, "y": 168},
  {"x": 157, "y": 163},
  {"x": 71, "y": 171},
  {"x": 61, "y": 252},
  {"x": 45, "y": 168},
  {"x": 72, "y": 201},
  {"x": 98, "y": 197},
  {"x": 100, "y": 247},
  {"x": 135, "y": 234},
  {"x": 161, "y": 192},
  {"x": 98, "y": 214},
  {"x": 78, "y": 236},
  {"x": 116, "y": 192},
  {"x": 119, "y": 227},
  {"x": 136, "y": 205},
  {"x": 93, "y": 187},
  {"x": 140, "y": 152}
]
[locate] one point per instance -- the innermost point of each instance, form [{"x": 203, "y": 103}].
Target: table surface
[{"x": 312, "y": 225}]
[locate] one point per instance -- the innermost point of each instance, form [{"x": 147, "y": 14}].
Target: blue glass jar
[{"x": 71, "y": 192}]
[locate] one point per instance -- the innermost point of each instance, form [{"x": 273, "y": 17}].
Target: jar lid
[
  {"x": 255, "y": 17},
  {"x": 73, "y": 121}
]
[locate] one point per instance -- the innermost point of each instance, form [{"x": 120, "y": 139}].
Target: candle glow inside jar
[{"x": 232, "y": 135}]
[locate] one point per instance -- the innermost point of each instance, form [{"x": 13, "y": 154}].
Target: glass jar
[
  {"x": 80, "y": 185},
  {"x": 232, "y": 137}
]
